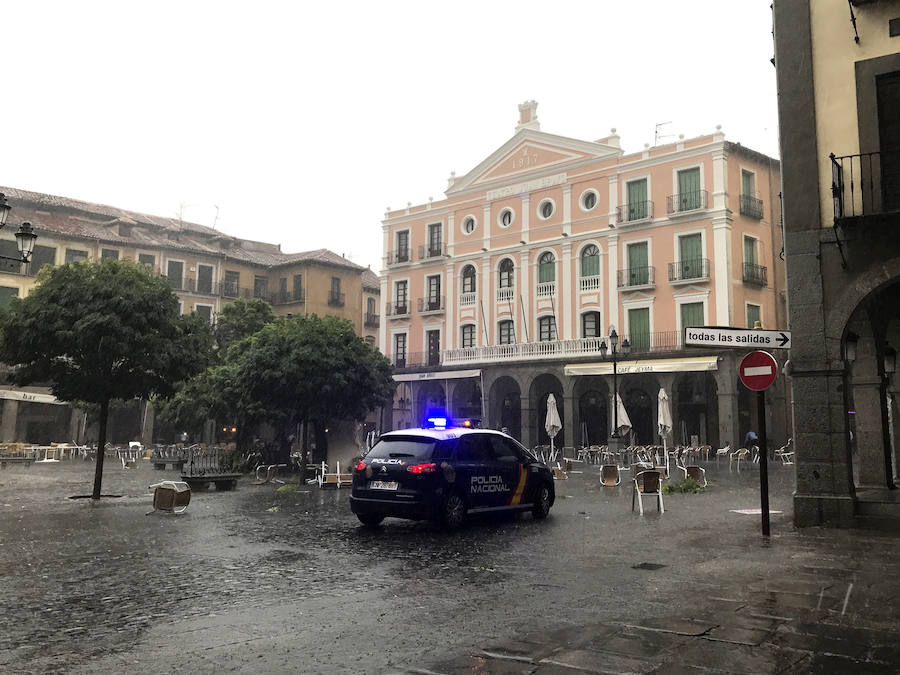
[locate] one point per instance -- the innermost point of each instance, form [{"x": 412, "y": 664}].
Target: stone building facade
[{"x": 838, "y": 66}]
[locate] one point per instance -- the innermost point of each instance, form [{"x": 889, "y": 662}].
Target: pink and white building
[{"x": 502, "y": 292}]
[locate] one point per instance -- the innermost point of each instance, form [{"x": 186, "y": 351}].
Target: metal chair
[{"x": 647, "y": 483}]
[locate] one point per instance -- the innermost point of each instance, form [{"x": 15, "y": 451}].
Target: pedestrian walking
[{"x": 751, "y": 439}]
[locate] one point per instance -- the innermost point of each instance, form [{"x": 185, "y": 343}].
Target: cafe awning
[
  {"x": 688, "y": 364},
  {"x": 437, "y": 375}
]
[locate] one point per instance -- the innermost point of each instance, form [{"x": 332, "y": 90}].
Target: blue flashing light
[
  {"x": 437, "y": 418},
  {"x": 437, "y": 422}
]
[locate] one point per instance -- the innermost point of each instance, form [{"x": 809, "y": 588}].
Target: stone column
[
  {"x": 529, "y": 439},
  {"x": 8, "y": 421},
  {"x": 726, "y": 386},
  {"x": 869, "y": 434}
]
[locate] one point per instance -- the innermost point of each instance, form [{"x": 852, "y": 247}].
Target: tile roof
[
  {"x": 371, "y": 280},
  {"x": 84, "y": 220}
]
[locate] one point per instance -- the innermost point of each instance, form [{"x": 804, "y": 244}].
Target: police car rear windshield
[{"x": 403, "y": 448}]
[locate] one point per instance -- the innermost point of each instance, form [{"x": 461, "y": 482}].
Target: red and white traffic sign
[{"x": 758, "y": 370}]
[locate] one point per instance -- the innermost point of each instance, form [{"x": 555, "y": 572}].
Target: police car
[{"x": 443, "y": 472}]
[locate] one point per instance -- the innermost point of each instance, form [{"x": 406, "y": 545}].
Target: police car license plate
[{"x": 383, "y": 485}]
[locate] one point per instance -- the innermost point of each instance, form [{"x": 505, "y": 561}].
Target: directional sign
[
  {"x": 757, "y": 370},
  {"x": 737, "y": 337}
]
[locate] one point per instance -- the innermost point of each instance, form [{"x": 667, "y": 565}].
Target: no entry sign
[{"x": 758, "y": 370}]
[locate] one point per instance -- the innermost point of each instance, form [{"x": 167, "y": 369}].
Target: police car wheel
[
  {"x": 370, "y": 519},
  {"x": 454, "y": 511},
  {"x": 541, "y": 502}
]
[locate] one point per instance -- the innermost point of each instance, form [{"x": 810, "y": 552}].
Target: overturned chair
[
  {"x": 170, "y": 496},
  {"x": 609, "y": 475}
]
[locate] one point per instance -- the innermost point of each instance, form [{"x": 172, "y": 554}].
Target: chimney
[{"x": 528, "y": 116}]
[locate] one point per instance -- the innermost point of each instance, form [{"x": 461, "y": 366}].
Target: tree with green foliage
[
  {"x": 241, "y": 319},
  {"x": 304, "y": 369},
  {"x": 102, "y": 331}
]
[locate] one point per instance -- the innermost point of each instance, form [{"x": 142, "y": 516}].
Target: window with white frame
[
  {"x": 506, "y": 269},
  {"x": 468, "y": 225},
  {"x": 637, "y": 199},
  {"x": 639, "y": 328},
  {"x": 403, "y": 246},
  {"x": 468, "y": 279},
  {"x": 506, "y": 217},
  {"x": 400, "y": 350},
  {"x": 589, "y": 200},
  {"x": 547, "y": 328},
  {"x": 433, "y": 292},
  {"x": 468, "y": 336},
  {"x": 546, "y": 209},
  {"x": 546, "y": 267},
  {"x": 401, "y": 297},
  {"x": 590, "y": 324},
  {"x": 690, "y": 256},
  {"x": 507, "y": 332},
  {"x": 692, "y": 315},
  {"x": 690, "y": 193},
  {"x": 590, "y": 261},
  {"x": 205, "y": 311}
]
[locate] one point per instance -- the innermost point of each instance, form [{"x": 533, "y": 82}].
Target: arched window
[
  {"x": 506, "y": 273},
  {"x": 468, "y": 336},
  {"x": 590, "y": 261},
  {"x": 546, "y": 267},
  {"x": 468, "y": 279}
]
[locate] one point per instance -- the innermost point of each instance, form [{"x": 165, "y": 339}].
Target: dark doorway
[{"x": 594, "y": 416}]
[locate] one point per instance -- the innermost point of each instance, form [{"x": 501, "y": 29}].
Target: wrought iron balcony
[
  {"x": 751, "y": 207},
  {"x": 636, "y": 277},
  {"x": 435, "y": 250},
  {"x": 372, "y": 320},
  {"x": 755, "y": 274},
  {"x": 864, "y": 185},
  {"x": 288, "y": 297},
  {"x": 398, "y": 257},
  {"x": 633, "y": 212},
  {"x": 433, "y": 304},
  {"x": 336, "y": 298},
  {"x": 397, "y": 309},
  {"x": 686, "y": 201},
  {"x": 689, "y": 270}
]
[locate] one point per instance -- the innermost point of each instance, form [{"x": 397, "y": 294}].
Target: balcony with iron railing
[
  {"x": 288, "y": 297},
  {"x": 686, "y": 202},
  {"x": 635, "y": 212},
  {"x": 755, "y": 274},
  {"x": 396, "y": 310},
  {"x": 398, "y": 257},
  {"x": 231, "y": 291},
  {"x": 751, "y": 207},
  {"x": 417, "y": 360},
  {"x": 431, "y": 304},
  {"x": 371, "y": 320},
  {"x": 336, "y": 298},
  {"x": 865, "y": 185},
  {"x": 689, "y": 271},
  {"x": 636, "y": 277},
  {"x": 434, "y": 250}
]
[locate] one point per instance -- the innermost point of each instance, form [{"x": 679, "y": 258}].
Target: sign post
[{"x": 757, "y": 372}]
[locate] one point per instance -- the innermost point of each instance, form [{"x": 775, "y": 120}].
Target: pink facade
[{"x": 550, "y": 241}]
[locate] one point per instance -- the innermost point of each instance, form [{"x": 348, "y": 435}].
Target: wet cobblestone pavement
[{"x": 266, "y": 581}]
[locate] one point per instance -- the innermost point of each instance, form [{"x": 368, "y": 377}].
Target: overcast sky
[{"x": 299, "y": 122}]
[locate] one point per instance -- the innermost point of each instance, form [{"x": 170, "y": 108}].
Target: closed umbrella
[
  {"x": 664, "y": 419},
  {"x": 553, "y": 423},
  {"x": 624, "y": 421}
]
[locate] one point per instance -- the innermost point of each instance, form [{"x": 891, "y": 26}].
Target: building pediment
[{"x": 528, "y": 153}]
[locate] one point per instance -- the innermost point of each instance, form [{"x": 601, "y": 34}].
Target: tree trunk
[{"x": 101, "y": 448}]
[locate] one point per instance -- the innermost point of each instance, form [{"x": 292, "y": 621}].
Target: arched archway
[
  {"x": 541, "y": 387},
  {"x": 430, "y": 396},
  {"x": 466, "y": 399},
  {"x": 505, "y": 406},
  {"x": 402, "y": 417},
  {"x": 696, "y": 411},
  {"x": 640, "y": 407},
  {"x": 592, "y": 409}
]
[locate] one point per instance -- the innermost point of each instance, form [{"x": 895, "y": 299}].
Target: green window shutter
[
  {"x": 639, "y": 328},
  {"x": 750, "y": 250},
  {"x": 689, "y": 189},
  {"x": 690, "y": 249},
  {"x": 547, "y": 272},
  {"x": 590, "y": 265},
  {"x": 638, "y": 274},
  {"x": 692, "y": 315},
  {"x": 748, "y": 184},
  {"x": 637, "y": 199},
  {"x": 753, "y": 315}
]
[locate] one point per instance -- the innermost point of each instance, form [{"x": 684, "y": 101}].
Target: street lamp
[
  {"x": 614, "y": 351},
  {"x": 25, "y": 235}
]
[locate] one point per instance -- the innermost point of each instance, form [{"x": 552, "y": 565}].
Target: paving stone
[
  {"x": 735, "y": 658},
  {"x": 593, "y": 661}
]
